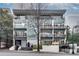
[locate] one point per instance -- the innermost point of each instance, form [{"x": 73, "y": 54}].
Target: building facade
[
  {"x": 51, "y": 26},
  {"x": 53, "y": 30},
  {"x": 20, "y": 30},
  {"x": 76, "y": 29}
]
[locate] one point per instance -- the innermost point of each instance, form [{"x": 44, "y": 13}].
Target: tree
[
  {"x": 72, "y": 37},
  {"x": 6, "y": 24},
  {"x": 36, "y": 20},
  {"x": 75, "y": 38},
  {"x": 68, "y": 33}
]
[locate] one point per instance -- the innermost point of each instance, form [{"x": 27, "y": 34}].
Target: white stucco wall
[
  {"x": 23, "y": 43},
  {"x": 50, "y": 48},
  {"x": 72, "y": 18},
  {"x": 32, "y": 41}
]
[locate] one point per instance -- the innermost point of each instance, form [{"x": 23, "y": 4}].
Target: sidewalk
[
  {"x": 6, "y": 52},
  {"x": 23, "y": 51},
  {"x": 35, "y": 52}
]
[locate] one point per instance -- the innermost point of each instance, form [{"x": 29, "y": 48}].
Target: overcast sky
[{"x": 71, "y": 15}]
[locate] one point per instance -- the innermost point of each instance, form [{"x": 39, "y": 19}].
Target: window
[
  {"x": 59, "y": 21},
  {"x": 17, "y": 17},
  {"x": 20, "y": 33},
  {"x": 47, "y": 42}
]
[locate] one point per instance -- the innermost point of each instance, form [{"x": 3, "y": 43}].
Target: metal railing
[{"x": 52, "y": 27}]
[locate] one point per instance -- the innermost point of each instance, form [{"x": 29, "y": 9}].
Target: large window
[
  {"x": 47, "y": 42},
  {"x": 20, "y": 33},
  {"x": 59, "y": 21},
  {"x": 19, "y": 20}
]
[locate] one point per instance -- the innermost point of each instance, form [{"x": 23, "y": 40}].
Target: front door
[{"x": 18, "y": 42}]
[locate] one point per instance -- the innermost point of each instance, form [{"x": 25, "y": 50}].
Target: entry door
[{"x": 18, "y": 42}]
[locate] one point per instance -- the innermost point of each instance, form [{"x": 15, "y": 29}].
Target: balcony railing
[
  {"x": 52, "y": 27},
  {"x": 59, "y": 35},
  {"x": 46, "y": 35},
  {"x": 20, "y": 38},
  {"x": 51, "y": 35}
]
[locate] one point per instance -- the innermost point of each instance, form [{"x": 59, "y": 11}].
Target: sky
[
  {"x": 71, "y": 15},
  {"x": 5, "y": 5}
]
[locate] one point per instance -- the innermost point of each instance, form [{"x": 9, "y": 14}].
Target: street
[{"x": 31, "y": 53}]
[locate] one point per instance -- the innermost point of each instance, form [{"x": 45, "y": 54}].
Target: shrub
[{"x": 35, "y": 46}]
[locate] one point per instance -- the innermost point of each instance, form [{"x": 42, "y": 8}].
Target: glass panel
[
  {"x": 47, "y": 42},
  {"x": 59, "y": 21},
  {"x": 20, "y": 33}
]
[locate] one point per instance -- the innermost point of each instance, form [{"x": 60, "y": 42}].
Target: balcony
[
  {"x": 46, "y": 35},
  {"x": 52, "y": 27},
  {"x": 59, "y": 36},
  {"x": 24, "y": 29},
  {"x": 20, "y": 38},
  {"x": 50, "y": 35},
  {"x": 47, "y": 38},
  {"x": 19, "y": 25}
]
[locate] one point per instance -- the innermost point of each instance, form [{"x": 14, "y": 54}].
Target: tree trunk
[
  {"x": 7, "y": 41},
  {"x": 38, "y": 18},
  {"x": 0, "y": 42},
  {"x": 38, "y": 49}
]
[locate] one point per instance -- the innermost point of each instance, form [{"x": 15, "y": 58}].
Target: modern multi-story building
[
  {"x": 52, "y": 28},
  {"x": 20, "y": 30},
  {"x": 76, "y": 29}
]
